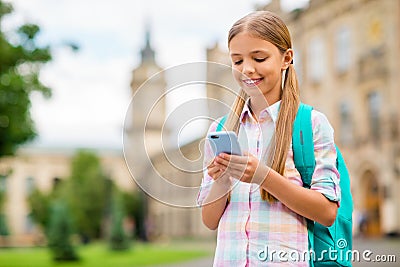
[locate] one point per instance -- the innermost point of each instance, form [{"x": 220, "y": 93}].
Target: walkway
[{"x": 377, "y": 247}]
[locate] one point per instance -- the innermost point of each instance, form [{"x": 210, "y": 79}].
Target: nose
[{"x": 247, "y": 68}]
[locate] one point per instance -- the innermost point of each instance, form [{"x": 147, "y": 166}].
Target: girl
[{"x": 257, "y": 201}]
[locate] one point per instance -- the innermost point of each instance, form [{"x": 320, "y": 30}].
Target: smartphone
[{"x": 224, "y": 142}]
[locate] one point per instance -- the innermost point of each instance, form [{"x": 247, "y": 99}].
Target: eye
[
  {"x": 260, "y": 59},
  {"x": 238, "y": 62}
]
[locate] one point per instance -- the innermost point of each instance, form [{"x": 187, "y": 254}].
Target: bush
[
  {"x": 118, "y": 237},
  {"x": 59, "y": 234}
]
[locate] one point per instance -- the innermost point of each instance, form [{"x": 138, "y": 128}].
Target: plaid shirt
[{"x": 253, "y": 232}]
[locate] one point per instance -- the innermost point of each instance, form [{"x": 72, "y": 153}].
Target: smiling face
[{"x": 257, "y": 66}]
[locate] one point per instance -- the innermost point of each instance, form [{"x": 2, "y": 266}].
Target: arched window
[
  {"x": 374, "y": 107},
  {"x": 316, "y": 60},
  {"x": 346, "y": 126},
  {"x": 343, "y": 49},
  {"x": 29, "y": 185},
  {"x": 3, "y": 184}
]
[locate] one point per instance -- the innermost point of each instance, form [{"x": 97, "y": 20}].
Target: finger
[
  {"x": 234, "y": 158},
  {"x": 221, "y": 161},
  {"x": 213, "y": 170},
  {"x": 230, "y": 165},
  {"x": 216, "y": 175},
  {"x": 225, "y": 159},
  {"x": 237, "y": 167},
  {"x": 211, "y": 163}
]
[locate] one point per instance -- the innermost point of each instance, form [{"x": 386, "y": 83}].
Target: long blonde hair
[{"x": 269, "y": 27}]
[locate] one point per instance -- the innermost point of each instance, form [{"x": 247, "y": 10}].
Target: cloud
[
  {"x": 89, "y": 103},
  {"x": 91, "y": 88}
]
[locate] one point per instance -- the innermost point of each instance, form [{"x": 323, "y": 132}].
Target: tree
[
  {"x": 20, "y": 64},
  {"x": 135, "y": 206},
  {"x": 59, "y": 234},
  {"x": 85, "y": 193},
  {"x": 118, "y": 237},
  {"x": 3, "y": 222},
  {"x": 39, "y": 203}
]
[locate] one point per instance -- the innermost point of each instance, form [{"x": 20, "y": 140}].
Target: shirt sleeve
[
  {"x": 207, "y": 181},
  {"x": 326, "y": 176}
]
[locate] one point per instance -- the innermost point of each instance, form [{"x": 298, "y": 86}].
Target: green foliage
[
  {"x": 135, "y": 206},
  {"x": 39, "y": 203},
  {"x": 3, "y": 221},
  {"x": 86, "y": 193},
  {"x": 3, "y": 225},
  {"x": 89, "y": 195},
  {"x": 98, "y": 255},
  {"x": 2, "y": 191},
  {"x": 5, "y": 8},
  {"x": 20, "y": 64},
  {"x": 118, "y": 238},
  {"x": 60, "y": 232}
]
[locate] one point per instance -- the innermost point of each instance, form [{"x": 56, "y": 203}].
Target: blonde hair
[{"x": 269, "y": 27}]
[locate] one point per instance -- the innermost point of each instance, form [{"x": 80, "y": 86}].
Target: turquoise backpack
[
  {"x": 332, "y": 245},
  {"x": 329, "y": 246}
]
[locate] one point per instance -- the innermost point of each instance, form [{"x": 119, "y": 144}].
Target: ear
[{"x": 287, "y": 59}]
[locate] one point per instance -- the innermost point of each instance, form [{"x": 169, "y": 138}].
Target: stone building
[
  {"x": 346, "y": 56},
  {"x": 152, "y": 160}
]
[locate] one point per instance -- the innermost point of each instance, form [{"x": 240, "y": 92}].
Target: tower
[
  {"x": 149, "y": 85},
  {"x": 147, "y": 111}
]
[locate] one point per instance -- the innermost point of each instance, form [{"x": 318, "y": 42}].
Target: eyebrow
[{"x": 252, "y": 52}]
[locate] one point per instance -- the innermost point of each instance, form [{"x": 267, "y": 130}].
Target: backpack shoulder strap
[
  {"x": 303, "y": 144},
  {"x": 221, "y": 123},
  {"x": 303, "y": 155}
]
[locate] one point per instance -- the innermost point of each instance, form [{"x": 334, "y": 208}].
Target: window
[
  {"x": 316, "y": 60},
  {"x": 342, "y": 47},
  {"x": 374, "y": 106},
  {"x": 298, "y": 65},
  {"x": 29, "y": 225},
  {"x": 346, "y": 127},
  {"x": 29, "y": 185},
  {"x": 3, "y": 184}
]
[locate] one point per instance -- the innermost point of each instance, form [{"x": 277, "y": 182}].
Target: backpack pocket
[{"x": 333, "y": 245}]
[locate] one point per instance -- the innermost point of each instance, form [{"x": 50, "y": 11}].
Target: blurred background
[{"x": 69, "y": 70}]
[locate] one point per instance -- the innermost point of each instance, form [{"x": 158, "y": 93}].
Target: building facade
[
  {"x": 346, "y": 57},
  {"x": 160, "y": 168}
]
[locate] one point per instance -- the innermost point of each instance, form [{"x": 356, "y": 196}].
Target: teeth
[{"x": 250, "y": 81}]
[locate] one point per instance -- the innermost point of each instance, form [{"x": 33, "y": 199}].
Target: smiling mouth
[{"x": 252, "y": 82}]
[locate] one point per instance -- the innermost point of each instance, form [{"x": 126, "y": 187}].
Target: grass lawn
[{"x": 98, "y": 255}]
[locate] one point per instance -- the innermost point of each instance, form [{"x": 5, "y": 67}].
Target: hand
[
  {"x": 218, "y": 174},
  {"x": 247, "y": 168}
]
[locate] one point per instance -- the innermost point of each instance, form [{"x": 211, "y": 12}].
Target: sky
[{"x": 90, "y": 87}]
